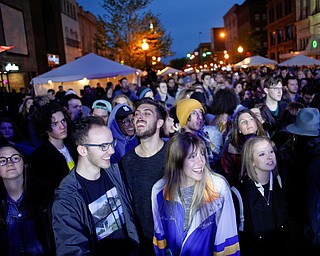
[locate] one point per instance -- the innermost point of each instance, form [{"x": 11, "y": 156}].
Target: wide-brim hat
[{"x": 307, "y": 123}]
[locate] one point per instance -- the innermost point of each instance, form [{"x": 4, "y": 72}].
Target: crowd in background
[{"x": 251, "y": 136}]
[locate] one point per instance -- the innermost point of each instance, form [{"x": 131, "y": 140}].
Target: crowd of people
[{"x": 209, "y": 163}]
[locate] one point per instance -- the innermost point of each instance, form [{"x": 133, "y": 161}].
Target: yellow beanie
[{"x": 184, "y": 109}]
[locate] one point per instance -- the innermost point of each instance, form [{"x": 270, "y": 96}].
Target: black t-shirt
[
  {"x": 141, "y": 174},
  {"x": 105, "y": 206}
]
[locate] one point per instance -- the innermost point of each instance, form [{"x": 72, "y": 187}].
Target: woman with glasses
[
  {"x": 192, "y": 206},
  {"x": 23, "y": 208},
  {"x": 56, "y": 157},
  {"x": 121, "y": 125}
]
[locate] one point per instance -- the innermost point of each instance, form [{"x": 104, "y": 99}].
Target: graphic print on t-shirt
[{"x": 107, "y": 213}]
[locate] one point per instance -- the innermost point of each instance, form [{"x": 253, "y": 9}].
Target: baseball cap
[
  {"x": 186, "y": 79},
  {"x": 102, "y": 104},
  {"x": 123, "y": 112}
]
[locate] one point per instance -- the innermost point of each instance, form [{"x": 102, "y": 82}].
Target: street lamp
[
  {"x": 226, "y": 56},
  {"x": 240, "y": 49},
  {"x": 145, "y": 48}
]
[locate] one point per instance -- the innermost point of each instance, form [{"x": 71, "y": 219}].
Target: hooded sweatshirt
[{"x": 124, "y": 142}]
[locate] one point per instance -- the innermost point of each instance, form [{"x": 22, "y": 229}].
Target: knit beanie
[
  {"x": 142, "y": 92},
  {"x": 184, "y": 109}
]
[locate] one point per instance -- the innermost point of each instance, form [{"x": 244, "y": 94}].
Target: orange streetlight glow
[{"x": 240, "y": 49}]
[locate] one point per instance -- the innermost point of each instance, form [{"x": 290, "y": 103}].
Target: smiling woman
[{"x": 183, "y": 202}]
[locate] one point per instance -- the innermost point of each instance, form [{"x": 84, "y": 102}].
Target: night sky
[{"x": 187, "y": 21}]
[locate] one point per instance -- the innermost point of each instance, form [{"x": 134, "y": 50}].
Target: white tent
[
  {"x": 300, "y": 60},
  {"x": 169, "y": 70},
  {"x": 88, "y": 69},
  {"x": 255, "y": 61}
]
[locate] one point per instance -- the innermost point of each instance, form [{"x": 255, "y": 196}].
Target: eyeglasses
[
  {"x": 126, "y": 121},
  {"x": 15, "y": 158},
  {"x": 103, "y": 146}
]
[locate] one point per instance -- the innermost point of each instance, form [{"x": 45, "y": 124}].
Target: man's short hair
[
  {"x": 82, "y": 127},
  {"x": 308, "y": 89},
  {"x": 161, "y": 111},
  {"x": 123, "y": 78},
  {"x": 204, "y": 75},
  {"x": 51, "y": 90},
  {"x": 272, "y": 81},
  {"x": 69, "y": 97}
]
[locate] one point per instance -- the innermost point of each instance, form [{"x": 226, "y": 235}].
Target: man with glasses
[
  {"x": 274, "y": 106},
  {"x": 92, "y": 212},
  {"x": 121, "y": 125}
]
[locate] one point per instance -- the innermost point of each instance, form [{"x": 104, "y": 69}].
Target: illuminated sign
[
  {"x": 314, "y": 44},
  {"x": 11, "y": 67},
  {"x": 53, "y": 59}
]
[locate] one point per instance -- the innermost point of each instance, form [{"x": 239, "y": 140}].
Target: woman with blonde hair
[
  {"x": 264, "y": 206},
  {"x": 121, "y": 99},
  {"x": 192, "y": 207}
]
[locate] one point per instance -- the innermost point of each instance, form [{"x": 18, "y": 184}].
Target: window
[
  {"x": 302, "y": 9},
  {"x": 280, "y": 36},
  {"x": 289, "y": 32},
  {"x": 257, "y": 17},
  {"x": 279, "y": 11},
  {"x": 288, "y": 7},
  {"x": 271, "y": 15},
  {"x": 317, "y": 9},
  {"x": 273, "y": 38},
  {"x": 272, "y": 56},
  {"x": 66, "y": 31}
]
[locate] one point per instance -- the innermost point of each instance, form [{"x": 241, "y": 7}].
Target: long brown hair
[
  {"x": 177, "y": 152},
  {"x": 235, "y": 134}
]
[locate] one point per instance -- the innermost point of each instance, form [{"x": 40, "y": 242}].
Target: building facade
[
  {"x": 245, "y": 28},
  {"x": 281, "y": 28},
  {"x": 71, "y": 30},
  {"x": 33, "y": 27}
]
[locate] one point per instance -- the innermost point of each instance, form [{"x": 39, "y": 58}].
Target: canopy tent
[
  {"x": 169, "y": 70},
  {"x": 300, "y": 60},
  {"x": 255, "y": 61},
  {"x": 88, "y": 69}
]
